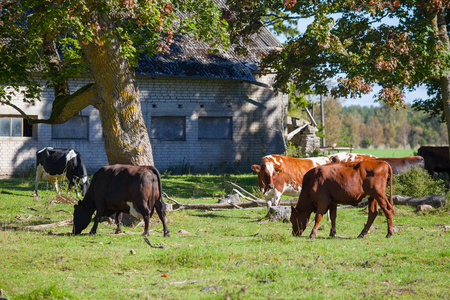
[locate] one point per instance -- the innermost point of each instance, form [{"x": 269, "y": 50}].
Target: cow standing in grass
[
  {"x": 283, "y": 175},
  {"x": 53, "y": 164},
  {"x": 325, "y": 187},
  {"x": 135, "y": 190}
]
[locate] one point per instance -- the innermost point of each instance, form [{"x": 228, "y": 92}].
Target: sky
[{"x": 368, "y": 99}]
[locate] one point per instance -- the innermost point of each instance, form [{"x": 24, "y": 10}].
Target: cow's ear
[{"x": 256, "y": 168}]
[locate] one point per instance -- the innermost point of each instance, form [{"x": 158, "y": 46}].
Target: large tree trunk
[
  {"x": 445, "y": 88},
  {"x": 445, "y": 79},
  {"x": 117, "y": 99}
]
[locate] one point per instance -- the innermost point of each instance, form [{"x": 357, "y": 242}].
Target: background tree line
[{"x": 378, "y": 127}]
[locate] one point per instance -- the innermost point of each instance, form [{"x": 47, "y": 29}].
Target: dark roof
[{"x": 189, "y": 57}]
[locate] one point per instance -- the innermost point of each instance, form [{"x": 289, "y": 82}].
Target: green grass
[
  {"x": 228, "y": 250},
  {"x": 387, "y": 152}
]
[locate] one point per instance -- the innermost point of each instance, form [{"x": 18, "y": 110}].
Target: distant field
[{"x": 387, "y": 152}]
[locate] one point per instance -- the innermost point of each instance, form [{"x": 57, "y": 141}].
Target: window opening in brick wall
[
  {"x": 76, "y": 128},
  {"x": 168, "y": 128},
  {"x": 215, "y": 128},
  {"x": 15, "y": 127}
]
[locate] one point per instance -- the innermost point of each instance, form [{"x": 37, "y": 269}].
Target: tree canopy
[
  {"x": 54, "y": 40},
  {"x": 398, "y": 45},
  {"x": 42, "y": 37}
]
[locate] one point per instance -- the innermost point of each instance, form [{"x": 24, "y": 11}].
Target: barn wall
[{"x": 254, "y": 112}]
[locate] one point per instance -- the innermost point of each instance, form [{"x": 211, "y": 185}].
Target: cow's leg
[
  {"x": 39, "y": 172},
  {"x": 373, "y": 212},
  {"x": 389, "y": 213},
  {"x": 118, "y": 218},
  {"x": 55, "y": 183},
  {"x": 94, "y": 227},
  {"x": 269, "y": 204},
  {"x": 146, "y": 217},
  {"x": 277, "y": 198},
  {"x": 332, "y": 211},
  {"x": 97, "y": 217},
  {"x": 161, "y": 211},
  {"x": 321, "y": 209}
]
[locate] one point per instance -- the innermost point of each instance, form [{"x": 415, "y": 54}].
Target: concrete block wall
[{"x": 255, "y": 113}]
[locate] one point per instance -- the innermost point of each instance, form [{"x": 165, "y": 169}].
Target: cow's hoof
[
  {"x": 166, "y": 234},
  {"x": 388, "y": 235},
  {"x": 361, "y": 236},
  {"x": 312, "y": 236}
]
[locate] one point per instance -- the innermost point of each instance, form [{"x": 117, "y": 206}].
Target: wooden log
[
  {"x": 433, "y": 200},
  {"x": 213, "y": 206},
  {"x": 278, "y": 213}
]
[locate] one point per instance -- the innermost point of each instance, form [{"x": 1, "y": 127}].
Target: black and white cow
[{"x": 54, "y": 164}]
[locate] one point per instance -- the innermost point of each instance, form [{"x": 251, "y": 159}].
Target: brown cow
[
  {"x": 402, "y": 164},
  {"x": 121, "y": 189},
  {"x": 325, "y": 187},
  {"x": 278, "y": 175}
]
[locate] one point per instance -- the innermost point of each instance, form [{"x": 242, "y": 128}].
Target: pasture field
[
  {"x": 218, "y": 254},
  {"x": 387, "y": 152}
]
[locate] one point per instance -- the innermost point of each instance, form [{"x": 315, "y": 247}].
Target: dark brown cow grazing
[
  {"x": 402, "y": 164},
  {"x": 325, "y": 187},
  {"x": 121, "y": 189}
]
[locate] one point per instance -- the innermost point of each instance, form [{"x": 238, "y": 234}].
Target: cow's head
[
  {"x": 81, "y": 218},
  {"x": 268, "y": 174},
  {"x": 299, "y": 219}
]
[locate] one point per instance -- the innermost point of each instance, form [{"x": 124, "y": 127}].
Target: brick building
[{"x": 203, "y": 112}]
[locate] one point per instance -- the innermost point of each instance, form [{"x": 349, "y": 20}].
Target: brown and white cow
[
  {"x": 283, "y": 175},
  {"x": 348, "y": 157},
  {"x": 325, "y": 187},
  {"x": 121, "y": 189}
]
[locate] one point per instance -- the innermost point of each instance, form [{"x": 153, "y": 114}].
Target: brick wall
[{"x": 255, "y": 113}]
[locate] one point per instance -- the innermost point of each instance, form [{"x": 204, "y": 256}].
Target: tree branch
[{"x": 63, "y": 107}]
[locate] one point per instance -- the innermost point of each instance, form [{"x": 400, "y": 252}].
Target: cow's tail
[
  {"x": 391, "y": 201},
  {"x": 160, "y": 199}
]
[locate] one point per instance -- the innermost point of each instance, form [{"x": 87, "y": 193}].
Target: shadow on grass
[
  {"x": 219, "y": 216},
  {"x": 203, "y": 186}
]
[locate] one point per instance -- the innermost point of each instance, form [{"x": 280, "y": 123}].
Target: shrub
[
  {"x": 417, "y": 183},
  {"x": 365, "y": 143}
]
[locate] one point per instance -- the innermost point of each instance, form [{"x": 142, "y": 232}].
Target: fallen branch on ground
[
  {"x": 151, "y": 245},
  {"x": 242, "y": 190},
  {"x": 51, "y": 225},
  {"x": 253, "y": 201},
  {"x": 171, "y": 199},
  {"x": 183, "y": 282}
]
